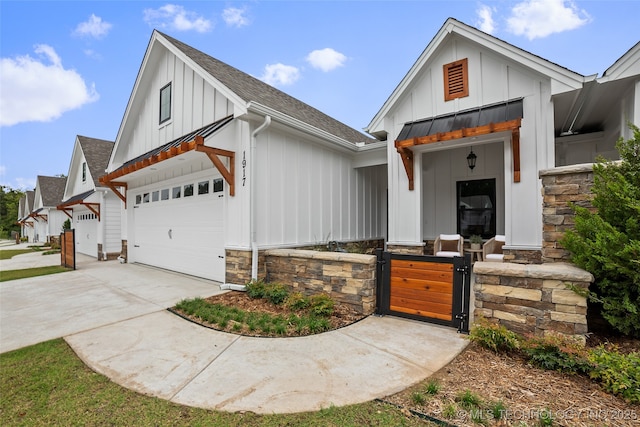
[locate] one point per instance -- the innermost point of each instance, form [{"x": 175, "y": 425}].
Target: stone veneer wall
[
  {"x": 560, "y": 187},
  {"x": 110, "y": 255},
  {"x": 532, "y": 299},
  {"x": 348, "y": 278},
  {"x": 124, "y": 253},
  {"x": 238, "y": 266},
  {"x": 407, "y": 249}
]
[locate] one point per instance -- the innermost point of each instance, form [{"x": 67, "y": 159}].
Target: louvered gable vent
[{"x": 456, "y": 81}]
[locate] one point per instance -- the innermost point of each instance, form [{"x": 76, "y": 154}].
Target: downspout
[{"x": 252, "y": 197}]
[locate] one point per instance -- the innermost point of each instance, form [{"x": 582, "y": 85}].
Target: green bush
[
  {"x": 607, "y": 242},
  {"x": 494, "y": 337},
  {"x": 276, "y": 293},
  {"x": 618, "y": 373},
  {"x": 297, "y": 301},
  {"x": 256, "y": 289},
  {"x": 321, "y": 305},
  {"x": 557, "y": 353}
]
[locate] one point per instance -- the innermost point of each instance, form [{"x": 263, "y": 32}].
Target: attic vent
[{"x": 456, "y": 81}]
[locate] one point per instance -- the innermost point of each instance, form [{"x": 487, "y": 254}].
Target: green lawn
[
  {"x": 46, "y": 384},
  {"x": 31, "y": 272},
  {"x": 10, "y": 253}
]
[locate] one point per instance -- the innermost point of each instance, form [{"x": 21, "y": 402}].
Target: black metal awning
[{"x": 466, "y": 119}]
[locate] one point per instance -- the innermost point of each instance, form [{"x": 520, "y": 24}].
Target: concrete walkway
[{"x": 113, "y": 316}]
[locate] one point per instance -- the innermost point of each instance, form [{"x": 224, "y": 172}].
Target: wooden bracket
[
  {"x": 93, "y": 207},
  {"x": 407, "y": 160},
  {"x": 113, "y": 185},
  {"x": 515, "y": 148},
  {"x": 213, "y": 153},
  {"x": 66, "y": 212}
]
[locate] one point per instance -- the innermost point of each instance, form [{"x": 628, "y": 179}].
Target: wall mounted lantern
[{"x": 471, "y": 159}]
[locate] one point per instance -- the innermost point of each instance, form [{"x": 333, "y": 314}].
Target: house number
[{"x": 244, "y": 168}]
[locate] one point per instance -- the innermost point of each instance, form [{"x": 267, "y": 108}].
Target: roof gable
[
  {"x": 242, "y": 90},
  {"x": 50, "y": 189},
  {"x": 562, "y": 79},
  {"x": 96, "y": 153},
  {"x": 627, "y": 65}
]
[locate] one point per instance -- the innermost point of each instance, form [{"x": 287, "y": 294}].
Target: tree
[
  {"x": 606, "y": 241},
  {"x": 9, "y": 200}
]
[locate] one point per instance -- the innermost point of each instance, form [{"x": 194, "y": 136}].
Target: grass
[
  {"x": 46, "y": 384},
  {"x": 303, "y": 323},
  {"x": 10, "y": 253},
  {"x": 31, "y": 272}
]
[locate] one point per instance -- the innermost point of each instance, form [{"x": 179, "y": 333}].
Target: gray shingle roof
[
  {"x": 251, "y": 89},
  {"x": 97, "y": 153},
  {"x": 51, "y": 190}
]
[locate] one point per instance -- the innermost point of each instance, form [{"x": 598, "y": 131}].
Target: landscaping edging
[
  {"x": 532, "y": 298},
  {"x": 348, "y": 278}
]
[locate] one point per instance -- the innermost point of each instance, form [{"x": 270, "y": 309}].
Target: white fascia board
[
  {"x": 302, "y": 126},
  {"x": 626, "y": 66},
  {"x": 73, "y": 169}
]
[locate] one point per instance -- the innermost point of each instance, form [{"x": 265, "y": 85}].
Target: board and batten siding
[
  {"x": 110, "y": 216},
  {"x": 308, "y": 193},
  {"x": 194, "y": 104},
  {"x": 492, "y": 78}
]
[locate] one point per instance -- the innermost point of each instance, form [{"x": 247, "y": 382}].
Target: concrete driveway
[{"x": 113, "y": 316}]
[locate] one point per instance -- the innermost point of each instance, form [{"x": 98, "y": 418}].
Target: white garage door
[
  {"x": 86, "y": 225},
  {"x": 181, "y": 228}
]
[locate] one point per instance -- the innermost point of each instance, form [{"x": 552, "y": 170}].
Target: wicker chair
[
  {"x": 492, "y": 249},
  {"x": 448, "y": 245}
]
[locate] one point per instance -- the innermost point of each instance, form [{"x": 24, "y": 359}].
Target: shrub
[
  {"x": 297, "y": 301},
  {"x": 321, "y": 305},
  {"x": 256, "y": 289},
  {"x": 494, "y": 337},
  {"x": 432, "y": 387},
  {"x": 276, "y": 293},
  {"x": 557, "y": 353},
  {"x": 618, "y": 373},
  {"x": 607, "y": 242}
]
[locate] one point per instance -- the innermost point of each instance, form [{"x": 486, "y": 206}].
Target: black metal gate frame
[{"x": 461, "y": 287}]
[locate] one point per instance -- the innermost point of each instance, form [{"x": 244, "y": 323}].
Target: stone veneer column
[
  {"x": 532, "y": 299},
  {"x": 238, "y": 266},
  {"x": 406, "y": 249},
  {"x": 561, "y": 187}
]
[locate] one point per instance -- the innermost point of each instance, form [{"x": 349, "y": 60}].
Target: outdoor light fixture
[{"x": 471, "y": 159}]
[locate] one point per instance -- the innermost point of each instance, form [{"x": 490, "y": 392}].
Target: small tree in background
[{"x": 607, "y": 242}]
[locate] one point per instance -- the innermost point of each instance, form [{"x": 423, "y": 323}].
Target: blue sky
[{"x": 68, "y": 68}]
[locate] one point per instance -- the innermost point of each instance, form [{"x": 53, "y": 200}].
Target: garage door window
[
  {"x": 188, "y": 190},
  {"x": 155, "y": 196},
  {"x": 138, "y": 199},
  {"x": 145, "y": 198},
  {"x": 164, "y": 195},
  {"x": 203, "y": 187},
  {"x": 218, "y": 185},
  {"x": 175, "y": 192}
]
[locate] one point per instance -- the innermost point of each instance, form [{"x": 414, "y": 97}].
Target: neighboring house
[
  {"x": 93, "y": 208},
  {"x": 25, "y": 206},
  {"x": 217, "y": 166},
  {"x": 474, "y": 100},
  {"x": 47, "y": 220}
]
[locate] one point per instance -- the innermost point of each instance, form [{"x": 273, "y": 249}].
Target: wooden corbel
[
  {"x": 407, "y": 160},
  {"x": 515, "y": 148},
  {"x": 213, "y": 153},
  {"x": 66, "y": 212},
  {"x": 93, "y": 207},
  {"x": 113, "y": 185}
]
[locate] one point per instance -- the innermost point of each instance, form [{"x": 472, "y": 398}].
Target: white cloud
[
  {"x": 326, "y": 59},
  {"x": 175, "y": 17},
  {"x": 540, "y": 18},
  {"x": 485, "y": 19},
  {"x": 235, "y": 17},
  {"x": 93, "y": 27},
  {"x": 40, "y": 89},
  {"x": 280, "y": 74}
]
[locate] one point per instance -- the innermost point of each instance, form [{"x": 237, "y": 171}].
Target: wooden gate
[
  {"x": 427, "y": 288},
  {"x": 68, "y": 248}
]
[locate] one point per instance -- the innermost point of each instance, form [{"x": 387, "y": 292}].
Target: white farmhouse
[
  {"x": 47, "y": 220},
  {"x": 216, "y": 166},
  {"x": 474, "y": 121},
  {"x": 94, "y": 209}
]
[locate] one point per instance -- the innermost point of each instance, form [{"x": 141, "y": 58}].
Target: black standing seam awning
[
  {"x": 471, "y": 118},
  {"x": 77, "y": 198}
]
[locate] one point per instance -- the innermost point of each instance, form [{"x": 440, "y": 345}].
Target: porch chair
[
  {"x": 492, "y": 249},
  {"x": 448, "y": 245}
]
